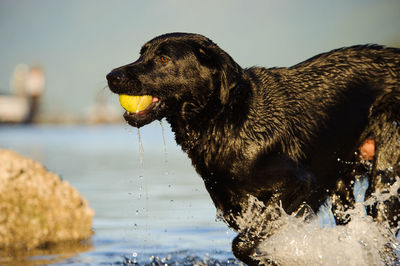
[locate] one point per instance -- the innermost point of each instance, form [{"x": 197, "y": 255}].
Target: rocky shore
[{"x": 37, "y": 208}]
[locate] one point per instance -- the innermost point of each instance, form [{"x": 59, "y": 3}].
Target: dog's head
[{"x": 184, "y": 73}]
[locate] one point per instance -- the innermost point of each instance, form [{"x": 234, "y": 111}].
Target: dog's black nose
[{"x": 115, "y": 78}]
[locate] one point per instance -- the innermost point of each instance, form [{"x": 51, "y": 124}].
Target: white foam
[{"x": 299, "y": 241}]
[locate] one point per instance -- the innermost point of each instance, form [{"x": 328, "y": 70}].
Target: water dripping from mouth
[
  {"x": 144, "y": 212},
  {"x": 141, "y": 151},
  {"x": 165, "y": 144}
]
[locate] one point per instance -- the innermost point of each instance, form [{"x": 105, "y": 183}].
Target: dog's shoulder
[{"x": 268, "y": 77}]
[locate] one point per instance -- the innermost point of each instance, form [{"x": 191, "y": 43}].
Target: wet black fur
[{"x": 273, "y": 133}]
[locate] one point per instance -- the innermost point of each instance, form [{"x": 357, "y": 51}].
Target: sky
[{"x": 77, "y": 42}]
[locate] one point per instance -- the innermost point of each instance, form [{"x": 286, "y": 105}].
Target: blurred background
[
  {"x": 77, "y": 43},
  {"x": 55, "y": 106}
]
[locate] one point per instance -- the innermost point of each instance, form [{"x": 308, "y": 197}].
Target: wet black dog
[{"x": 283, "y": 135}]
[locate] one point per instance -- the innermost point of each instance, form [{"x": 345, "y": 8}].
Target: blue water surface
[{"x": 157, "y": 211}]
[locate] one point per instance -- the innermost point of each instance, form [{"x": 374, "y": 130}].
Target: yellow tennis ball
[{"x": 134, "y": 104}]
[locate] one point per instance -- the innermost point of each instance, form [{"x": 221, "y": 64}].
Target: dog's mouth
[{"x": 140, "y": 110}]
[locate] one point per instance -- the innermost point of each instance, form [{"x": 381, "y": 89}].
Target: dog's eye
[{"x": 164, "y": 59}]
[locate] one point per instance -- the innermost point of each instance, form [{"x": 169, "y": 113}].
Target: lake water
[{"x": 152, "y": 208}]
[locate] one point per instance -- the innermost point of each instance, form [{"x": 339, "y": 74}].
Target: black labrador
[{"x": 291, "y": 136}]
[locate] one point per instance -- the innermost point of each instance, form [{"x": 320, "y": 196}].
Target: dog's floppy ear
[
  {"x": 230, "y": 75},
  {"x": 227, "y": 69}
]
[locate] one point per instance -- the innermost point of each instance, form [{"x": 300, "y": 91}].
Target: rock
[{"x": 37, "y": 208}]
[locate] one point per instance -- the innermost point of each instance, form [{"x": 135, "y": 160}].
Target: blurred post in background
[{"x": 35, "y": 83}]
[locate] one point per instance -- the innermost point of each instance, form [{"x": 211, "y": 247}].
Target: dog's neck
[
  {"x": 212, "y": 141},
  {"x": 203, "y": 135},
  {"x": 198, "y": 124}
]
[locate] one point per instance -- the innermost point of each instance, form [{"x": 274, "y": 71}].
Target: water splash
[
  {"x": 360, "y": 242},
  {"x": 303, "y": 241}
]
